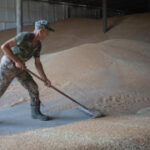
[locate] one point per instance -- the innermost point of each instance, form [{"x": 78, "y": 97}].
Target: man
[{"x": 16, "y": 52}]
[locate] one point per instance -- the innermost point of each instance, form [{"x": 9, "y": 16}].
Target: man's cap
[{"x": 43, "y": 24}]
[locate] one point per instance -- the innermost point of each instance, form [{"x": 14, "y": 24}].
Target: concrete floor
[{"x": 17, "y": 118}]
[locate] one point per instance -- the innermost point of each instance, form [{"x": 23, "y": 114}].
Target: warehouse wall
[
  {"x": 7, "y": 14},
  {"x": 33, "y": 11}
]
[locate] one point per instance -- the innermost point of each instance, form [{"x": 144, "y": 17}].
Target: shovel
[{"x": 91, "y": 112}]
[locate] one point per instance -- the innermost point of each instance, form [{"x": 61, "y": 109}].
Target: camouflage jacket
[{"x": 25, "y": 49}]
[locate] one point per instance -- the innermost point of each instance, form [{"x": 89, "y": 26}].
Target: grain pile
[{"x": 109, "y": 72}]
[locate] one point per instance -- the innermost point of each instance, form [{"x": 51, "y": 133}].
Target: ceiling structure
[{"x": 128, "y": 6}]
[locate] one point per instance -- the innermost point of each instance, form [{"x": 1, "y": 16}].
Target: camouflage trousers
[{"x": 8, "y": 72}]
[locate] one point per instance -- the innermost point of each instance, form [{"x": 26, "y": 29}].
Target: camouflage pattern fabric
[
  {"x": 8, "y": 72},
  {"x": 43, "y": 24},
  {"x": 25, "y": 48}
]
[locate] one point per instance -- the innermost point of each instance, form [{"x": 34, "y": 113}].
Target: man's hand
[
  {"x": 19, "y": 64},
  {"x": 47, "y": 82}
]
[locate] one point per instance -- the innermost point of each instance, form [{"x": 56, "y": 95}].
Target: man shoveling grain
[{"x": 16, "y": 52}]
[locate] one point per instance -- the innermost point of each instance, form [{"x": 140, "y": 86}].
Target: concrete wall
[{"x": 33, "y": 11}]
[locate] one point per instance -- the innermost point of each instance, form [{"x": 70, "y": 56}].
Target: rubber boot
[{"x": 36, "y": 114}]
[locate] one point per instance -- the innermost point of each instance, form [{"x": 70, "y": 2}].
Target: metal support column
[
  {"x": 104, "y": 15},
  {"x": 19, "y": 19}
]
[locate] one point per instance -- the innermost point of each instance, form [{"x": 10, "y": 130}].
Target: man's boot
[{"x": 36, "y": 114}]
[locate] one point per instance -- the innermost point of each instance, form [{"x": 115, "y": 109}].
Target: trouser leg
[
  {"x": 5, "y": 80},
  {"x": 27, "y": 81},
  {"x": 7, "y": 73}
]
